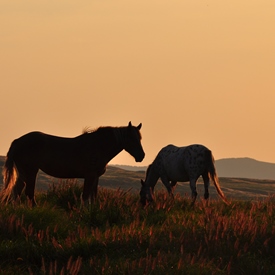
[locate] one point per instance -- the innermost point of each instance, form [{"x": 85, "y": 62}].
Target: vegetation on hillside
[{"x": 117, "y": 236}]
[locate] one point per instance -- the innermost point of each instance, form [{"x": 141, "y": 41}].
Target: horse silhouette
[
  {"x": 180, "y": 164},
  {"x": 84, "y": 156}
]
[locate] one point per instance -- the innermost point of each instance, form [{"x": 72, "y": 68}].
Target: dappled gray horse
[
  {"x": 84, "y": 156},
  {"x": 180, "y": 164}
]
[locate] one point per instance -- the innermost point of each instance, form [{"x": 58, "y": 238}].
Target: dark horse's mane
[{"x": 88, "y": 130}]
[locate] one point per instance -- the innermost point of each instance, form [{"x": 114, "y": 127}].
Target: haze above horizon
[{"x": 190, "y": 71}]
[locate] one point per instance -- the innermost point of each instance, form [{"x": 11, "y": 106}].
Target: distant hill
[
  {"x": 129, "y": 167},
  {"x": 245, "y": 168},
  {"x": 232, "y": 168}
]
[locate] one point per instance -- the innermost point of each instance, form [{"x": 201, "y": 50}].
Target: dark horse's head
[
  {"x": 145, "y": 193},
  {"x": 132, "y": 142}
]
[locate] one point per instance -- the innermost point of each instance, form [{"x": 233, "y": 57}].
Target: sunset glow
[{"x": 190, "y": 71}]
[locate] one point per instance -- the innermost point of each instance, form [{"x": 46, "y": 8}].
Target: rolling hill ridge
[
  {"x": 232, "y": 168},
  {"x": 245, "y": 168}
]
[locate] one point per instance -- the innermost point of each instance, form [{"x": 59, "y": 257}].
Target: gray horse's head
[{"x": 146, "y": 194}]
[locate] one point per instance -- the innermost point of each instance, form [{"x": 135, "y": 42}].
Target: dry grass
[{"x": 117, "y": 236}]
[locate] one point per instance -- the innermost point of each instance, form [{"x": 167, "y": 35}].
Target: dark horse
[
  {"x": 174, "y": 164},
  {"x": 84, "y": 156}
]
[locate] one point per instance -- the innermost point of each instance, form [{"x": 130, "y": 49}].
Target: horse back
[
  {"x": 183, "y": 163},
  {"x": 36, "y": 143},
  {"x": 170, "y": 163},
  {"x": 197, "y": 159},
  {"x": 56, "y": 156}
]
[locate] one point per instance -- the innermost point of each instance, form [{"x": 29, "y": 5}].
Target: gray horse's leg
[
  {"x": 206, "y": 181},
  {"x": 166, "y": 183},
  {"x": 173, "y": 183},
  {"x": 193, "y": 187}
]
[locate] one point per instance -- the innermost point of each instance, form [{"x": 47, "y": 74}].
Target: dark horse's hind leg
[
  {"x": 30, "y": 184},
  {"x": 206, "y": 181},
  {"x": 18, "y": 187},
  {"x": 90, "y": 189}
]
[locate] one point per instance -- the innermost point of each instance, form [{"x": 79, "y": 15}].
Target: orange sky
[{"x": 190, "y": 71}]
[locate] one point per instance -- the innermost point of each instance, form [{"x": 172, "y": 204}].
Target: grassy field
[{"x": 117, "y": 236}]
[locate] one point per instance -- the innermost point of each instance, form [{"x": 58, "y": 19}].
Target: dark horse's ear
[
  {"x": 130, "y": 124},
  {"x": 142, "y": 182},
  {"x": 139, "y": 126}
]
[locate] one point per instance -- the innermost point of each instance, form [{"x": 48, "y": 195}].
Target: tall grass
[{"x": 117, "y": 236}]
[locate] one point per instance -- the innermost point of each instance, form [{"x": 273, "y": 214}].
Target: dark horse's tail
[
  {"x": 9, "y": 176},
  {"x": 213, "y": 175}
]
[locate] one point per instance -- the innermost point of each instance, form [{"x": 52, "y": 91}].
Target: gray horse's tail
[
  {"x": 213, "y": 175},
  {"x": 9, "y": 176}
]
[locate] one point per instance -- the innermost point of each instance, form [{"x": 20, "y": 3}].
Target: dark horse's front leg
[{"x": 90, "y": 189}]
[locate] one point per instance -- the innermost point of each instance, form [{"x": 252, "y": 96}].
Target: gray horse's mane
[{"x": 147, "y": 171}]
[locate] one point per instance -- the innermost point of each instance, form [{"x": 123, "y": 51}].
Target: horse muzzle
[{"x": 140, "y": 157}]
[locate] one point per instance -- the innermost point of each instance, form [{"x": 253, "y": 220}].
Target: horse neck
[
  {"x": 119, "y": 134},
  {"x": 152, "y": 176},
  {"x": 112, "y": 146}
]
